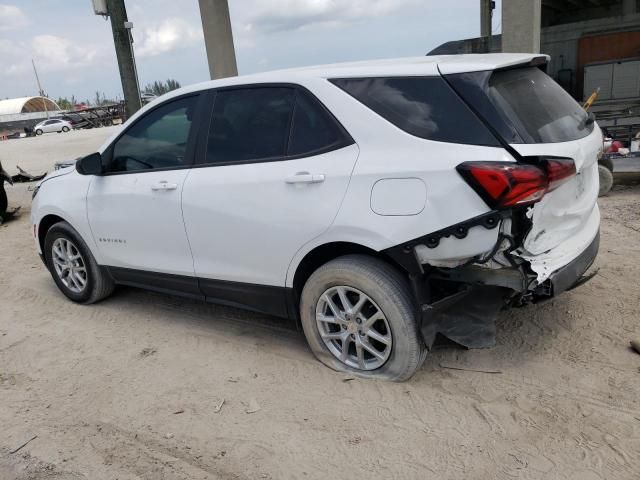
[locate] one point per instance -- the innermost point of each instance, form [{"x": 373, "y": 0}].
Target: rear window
[
  {"x": 540, "y": 110},
  {"x": 422, "y": 106}
]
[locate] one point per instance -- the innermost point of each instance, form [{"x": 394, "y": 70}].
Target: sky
[{"x": 73, "y": 48}]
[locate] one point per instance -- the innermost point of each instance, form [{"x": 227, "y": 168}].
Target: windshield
[{"x": 539, "y": 109}]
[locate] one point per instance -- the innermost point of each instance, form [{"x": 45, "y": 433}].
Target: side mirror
[{"x": 90, "y": 165}]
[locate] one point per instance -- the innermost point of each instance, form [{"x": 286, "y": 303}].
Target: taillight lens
[
  {"x": 505, "y": 185},
  {"x": 559, "y": 170}
]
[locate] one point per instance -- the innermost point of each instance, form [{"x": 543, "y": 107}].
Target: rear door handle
[
  {"x": 164, "y": 185},
  {"x": 305, "y": 177}
]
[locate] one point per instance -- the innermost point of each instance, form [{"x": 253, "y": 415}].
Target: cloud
[
  {"x": 54, "y": 53},
  {"x": 170, "y": 34},
  {"x": 51, "y": 54},
  {"x": 12, "y": 18},
  {"x": 283, "y": 15}
]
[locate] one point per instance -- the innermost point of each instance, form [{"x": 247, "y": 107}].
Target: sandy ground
[{"x": 146, "y": 386}]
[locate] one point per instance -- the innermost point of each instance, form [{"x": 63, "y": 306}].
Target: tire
[
  {"x": 38, "y": 132},
  {"x": 606, "y": 180},
  {"x": 97, "y": 286},
  {"x": 387, "y": 291},
  {"x": 65, "y": 129},
  {"x": 4, "y": 203}
]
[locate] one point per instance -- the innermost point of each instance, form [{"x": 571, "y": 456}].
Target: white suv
[{"x": 376, "y": 203}]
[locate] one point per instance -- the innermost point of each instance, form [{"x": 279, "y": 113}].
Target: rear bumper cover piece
[
  {"x": 566, "y": 277},
  {"x": 468, "y": 317}
]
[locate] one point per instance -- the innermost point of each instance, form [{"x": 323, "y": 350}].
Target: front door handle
[
  {"x": 163, "y": 186},
  {"x": 305, "y": 177}
]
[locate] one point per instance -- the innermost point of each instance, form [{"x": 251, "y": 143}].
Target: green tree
[
  {"x": 64, "y": 103},
  {"x": 160, "y": 88}
]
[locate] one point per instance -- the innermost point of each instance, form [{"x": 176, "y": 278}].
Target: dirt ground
[{"x": 147, "y": 386}]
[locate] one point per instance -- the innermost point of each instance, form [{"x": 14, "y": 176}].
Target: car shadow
[{"x": 211, "y": 319}]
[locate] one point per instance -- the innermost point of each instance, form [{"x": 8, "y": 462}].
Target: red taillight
[
  {"x": 504, "y": 185},
  {"x": 559, "y": 170}
]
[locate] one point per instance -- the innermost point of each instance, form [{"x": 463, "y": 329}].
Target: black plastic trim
[
  {"x": 271, "y": 300},
  {"x": 566, "y": 277},
  {"x": 258, "y": 298},
  {"x": 160, "y": 282}
]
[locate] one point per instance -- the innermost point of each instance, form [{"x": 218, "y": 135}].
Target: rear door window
[
  {"x": 422, "y": 106},
  {"x": 262, "y": 124},
  {"x": 250, "y": 124},
  {"x": 314, "y": 129}
]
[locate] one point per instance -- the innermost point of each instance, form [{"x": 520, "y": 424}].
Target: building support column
[
  {"x": 218, "y": 38},
  {"x": 521, "y": 25},
  {"x": 486, "y": 11},
  {"x": 124, "y": 55},
  {"x": 485, "y": 17}
]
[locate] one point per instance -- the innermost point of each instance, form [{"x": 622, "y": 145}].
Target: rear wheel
[
  {"x": 359, "y": 317},
  {"x": 606, "y": 180},
  {"x": 73, "y": 267}
]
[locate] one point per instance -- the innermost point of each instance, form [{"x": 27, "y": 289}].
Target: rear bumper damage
[
  {"x": 468, "y": 316},
  {"x": 462, "y": 302}
]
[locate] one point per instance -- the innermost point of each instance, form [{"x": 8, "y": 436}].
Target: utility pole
[
  {"x": 218, "y": 38},
  {"x": 40, "y": 91},
  {"x": 124, "y": 54},
  {"x": 486, "y": 16}
]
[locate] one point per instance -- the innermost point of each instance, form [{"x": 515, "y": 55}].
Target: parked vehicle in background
[
  {"x": 147, "y": 97},
  {"x": 76, "y": 120},
  {"x": 52, "y": 125},
  {"x": 376, "y": 203}
]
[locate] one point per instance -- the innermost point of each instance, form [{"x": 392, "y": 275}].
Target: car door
[
  {"x": 49, "y": 126},
  {"x": 134, "y": 208},
  {"x": 272, "y": 174}
]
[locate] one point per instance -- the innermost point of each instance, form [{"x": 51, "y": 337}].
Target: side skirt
[{"x": 277, "y": 301}]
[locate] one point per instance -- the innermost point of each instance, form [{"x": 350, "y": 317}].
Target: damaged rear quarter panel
[{"x": 566, "y": 220}]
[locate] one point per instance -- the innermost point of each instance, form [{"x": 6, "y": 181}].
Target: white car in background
[
  {"x": 53, "y": 125},
  {"x": 375, "y": 203}
]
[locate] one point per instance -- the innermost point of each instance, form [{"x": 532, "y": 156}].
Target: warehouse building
[
  {"x": 18, "y": 113},
  {"x": 593, "y": 44}
]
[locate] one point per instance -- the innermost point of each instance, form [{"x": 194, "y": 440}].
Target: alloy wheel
[
  {"x": 69, "y": 265},
  {"x": 354, "y": 328}
]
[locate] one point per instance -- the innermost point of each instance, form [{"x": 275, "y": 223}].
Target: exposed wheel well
[
  {"x": 325, "y": 253},
  {"x": 45, "y": 224}
]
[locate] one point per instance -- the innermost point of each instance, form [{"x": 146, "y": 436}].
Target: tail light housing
[{"x": 506, "y": 185}]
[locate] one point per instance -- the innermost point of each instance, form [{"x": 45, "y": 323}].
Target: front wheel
[
  {"x": 65, "y": 129},
  {"x": 359, "y": 317},
  {"x": 73, "y": 267},
  {"x": 38, "y": 132}
]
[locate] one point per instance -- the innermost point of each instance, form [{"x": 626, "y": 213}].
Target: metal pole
[
  {"x": 124, "y": 54},
  {"x": 40, "y": 91},
  {"x": 129, "y": 26},
  {"x": 218, "y": 38},
  {"x": 486, "y": 16}
]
